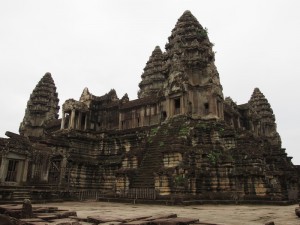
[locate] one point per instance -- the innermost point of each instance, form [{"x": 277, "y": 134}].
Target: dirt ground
[{"x": 220, "y": 214}]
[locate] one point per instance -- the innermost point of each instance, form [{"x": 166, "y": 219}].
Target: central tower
[{"x": 191, "y": 83}]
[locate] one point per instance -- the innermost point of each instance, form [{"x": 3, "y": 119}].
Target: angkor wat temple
[{"x": 180, "y": 137}]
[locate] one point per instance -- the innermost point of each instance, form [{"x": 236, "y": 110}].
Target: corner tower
[
  {"x": 152, "y": 78},
  {"x": 193, "y": 86},
  {"x": 262, "y": 107},
  {"x": 42, "y": 107}
]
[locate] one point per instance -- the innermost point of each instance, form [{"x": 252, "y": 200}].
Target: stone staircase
[
  {"x": 14, "y": 194},
  {"x": 20, "y": 194},
  {"x": 153, "y": 158},
  {"x": 151, "y": 162},
  {"x": 17, "y": 194}
]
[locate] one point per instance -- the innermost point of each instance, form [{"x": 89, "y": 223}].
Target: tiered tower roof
[
  {"x": 152, "y": 78},
  {"x": 189, "y": 42},
  {"x": 261, "y": 106},
  {"x": 41, "y": 107},
  {"x": 189, "y": 58}
]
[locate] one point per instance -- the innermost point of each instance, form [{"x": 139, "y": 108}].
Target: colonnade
[{"x": 77, "y": 119}]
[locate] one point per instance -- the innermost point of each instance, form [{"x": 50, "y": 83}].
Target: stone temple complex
[{"x": 179, "y": 139}]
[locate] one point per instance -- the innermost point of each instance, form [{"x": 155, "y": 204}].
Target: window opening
[
  {"x": 206, "y": 108},
  {"x": 177, "y": 106},
  {"x": 164, "y": 115},
  {"x": 54, "y": 172},
  {"x": 12, "y": 171}
]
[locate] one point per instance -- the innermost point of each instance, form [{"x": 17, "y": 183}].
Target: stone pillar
[
  {"x": 32, "y": 171},
  {"x": 72, "y": 119},
  {"x": 86, "y": 121},
  {"x": 134, "y": 122},
  {"x": 25, "y": 171},
  {"x": 169, "y": 107},
  {"x": 142, "y": 116},
  {"x": 47, "y": 169},
  {"x": 63, "y": 120},
  {"x": 120, "y": 120},
  {"x": 3, "y": 169},
  {"x": 239, "y": 122}
]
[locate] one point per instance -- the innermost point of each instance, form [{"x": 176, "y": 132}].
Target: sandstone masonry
[{"x": 180, "y": 139}]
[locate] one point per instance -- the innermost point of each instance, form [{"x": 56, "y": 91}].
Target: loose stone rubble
[
  {"x": 180, "y": 142},
  {"x": 52, "y": 215}
]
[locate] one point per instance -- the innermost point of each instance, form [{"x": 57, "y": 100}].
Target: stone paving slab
[
  {"x": 47, "y": 216},
  {"x": 162, "y": 216},
  {"x": 103, "y": 219},
  {"x": 142, "y": 217},
  {"x": 138, "y": 222},
  {"x": 204, "y": 223},
  {"x": 32, "y": 220},
  {"x": 214, "y": 214},
  {"x": 207, "y": 214},
  {"x": 175, "y": 221},
  {"x": 112, "y": 223},
  {"x": 37, "y": 223}
]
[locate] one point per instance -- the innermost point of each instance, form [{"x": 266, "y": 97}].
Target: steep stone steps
[
  {"x": 20, "y": 195},
  {"x": 153, "y": 159},
  {"x": 14, "y": 194},
  {"x": 145, "y": 175},
  {"x": 174, "y": 132},
  {"x": 151, "y": 162}
]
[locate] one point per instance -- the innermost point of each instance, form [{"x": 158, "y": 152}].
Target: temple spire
[
  {"x": 189, "y": 49},
  {"x": 152, "y": 78},
  {"x": 42, "y": 107},
  {"x": 262, "y": 107},
  {"x": 192, "y": 83}
]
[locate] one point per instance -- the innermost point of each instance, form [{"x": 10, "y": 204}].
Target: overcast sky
[{"x": 104, "y": 44}]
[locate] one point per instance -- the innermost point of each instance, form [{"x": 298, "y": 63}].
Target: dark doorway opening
[
  {"x": 206, "y": 108},
  {"x": 177, "y": 106}
]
